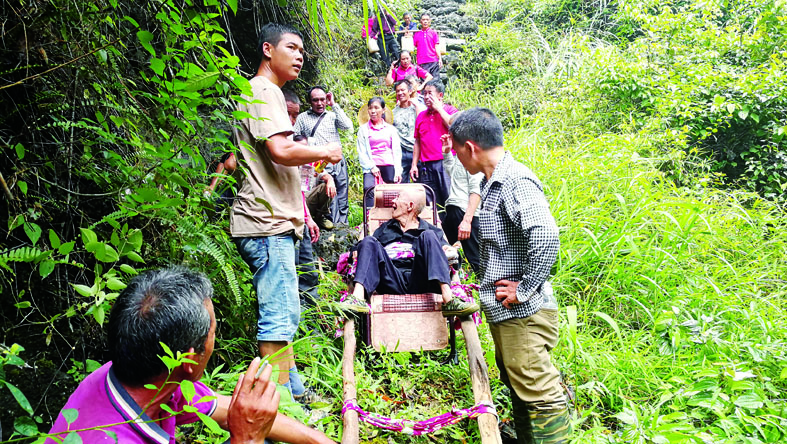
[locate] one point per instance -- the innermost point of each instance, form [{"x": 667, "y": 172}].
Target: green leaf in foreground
[
  {"x": 264, "y": 203},
  {"x": 72, "y": 438},
  {"x": 33, "y": 232},
  {"x": 145, "y": 37},
  {"x": 25, "y": 426},
  {"x": 210, "y": 423},
  {"x": 70, "y": 415},
  {"x": 20, "y": 397}
]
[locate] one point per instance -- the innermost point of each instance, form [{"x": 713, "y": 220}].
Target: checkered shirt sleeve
[{"x": 519, "y": 239}]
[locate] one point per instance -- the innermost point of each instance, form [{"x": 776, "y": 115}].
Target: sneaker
[
  {"x": 308, "y": 397},
  {"x": 325, "y": 224},
  {"x": 458, "y": 307},
  {"x": 352, "y": 303}
]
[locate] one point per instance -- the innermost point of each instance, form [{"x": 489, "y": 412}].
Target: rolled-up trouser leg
[
  {"x": 550, "y": 426},
  {"x": 318, "y": 202}
]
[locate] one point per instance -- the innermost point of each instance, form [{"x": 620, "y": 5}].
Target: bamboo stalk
[
  {"x": 479, "y": 376},
  {"x": 350, "y": 435}
]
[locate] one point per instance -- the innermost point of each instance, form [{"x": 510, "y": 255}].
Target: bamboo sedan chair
[
  {"x": 389, "y": 325},
  {"x": 390, "y": 321}
]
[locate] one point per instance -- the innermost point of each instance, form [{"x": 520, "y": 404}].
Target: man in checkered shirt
[
  {"x": 327, "y": 132},
  {"x": 519, "y": 244}
]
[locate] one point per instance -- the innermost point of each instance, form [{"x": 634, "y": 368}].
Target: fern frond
[
  {"x": 205, "y": 244},
  {"x": 113, "y": 216},
  {"x": 22, "y": 254}
]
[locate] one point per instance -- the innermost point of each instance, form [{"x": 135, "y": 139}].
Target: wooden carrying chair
[
  {"x": 410, "y": 322},
  {"x": 390, "y": 320}
]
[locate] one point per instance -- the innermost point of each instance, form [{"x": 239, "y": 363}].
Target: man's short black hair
[
  {"x": 479, "y": 125},
  {"x": 403, "y": 82},
  {"x": 272, "y": 33},
  {"x": 290, "y": 96},
  {"x": 309, "y": 91},
  {"x": 166, "y": 305},
  {"x": 437, "y": 84}
]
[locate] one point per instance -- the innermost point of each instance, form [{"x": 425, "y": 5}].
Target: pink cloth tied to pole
[
  {"x": 417, "y": 428},
  {"x": 465, "y": 293}
]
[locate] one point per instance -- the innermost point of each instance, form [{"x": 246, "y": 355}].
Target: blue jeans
[{"x": 272, "y": 262}]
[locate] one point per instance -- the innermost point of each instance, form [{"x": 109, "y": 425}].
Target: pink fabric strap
[{"x": 417, "y": 428}]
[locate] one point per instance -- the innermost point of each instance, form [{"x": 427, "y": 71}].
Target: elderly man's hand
[
  {"x": 505, "y": 292},
  {"x": 254, "y": 405},
  {"x": 464, "y": 230}
]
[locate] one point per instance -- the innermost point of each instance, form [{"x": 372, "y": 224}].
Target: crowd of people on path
[
  {"x": 293, "y": 183},
  {"x": 384, "y": 37}
]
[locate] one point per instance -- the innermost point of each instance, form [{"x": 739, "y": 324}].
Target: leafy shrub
[{"x": 715, "y": 77}]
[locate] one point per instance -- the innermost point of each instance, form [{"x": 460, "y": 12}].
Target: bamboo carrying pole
[
  {"x": 350, "y": 433},
  {"x": 487, "y": 422}
]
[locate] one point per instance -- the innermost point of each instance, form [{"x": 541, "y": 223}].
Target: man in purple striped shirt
[{"x": 132, "y": 398}]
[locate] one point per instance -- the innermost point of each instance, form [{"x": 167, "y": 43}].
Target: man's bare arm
[{"x": 288, "y": 153}]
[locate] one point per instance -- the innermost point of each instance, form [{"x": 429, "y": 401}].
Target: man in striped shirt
[{"x": 137, "y": 399}]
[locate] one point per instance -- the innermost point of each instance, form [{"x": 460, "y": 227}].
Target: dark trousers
[
  {"x": 451, "y": 219},
  {"x": 340, "y": 205},
  {"x": 388, "y": 51},
  {"x": 388, "y": 173},
  {"x": 432, "y": 173},
  {"x": 432, "y": 68},
  {"x": 308, "y": 278},
  {"x": 407, "y": 162},
  {"x": 377, "y": 272}
]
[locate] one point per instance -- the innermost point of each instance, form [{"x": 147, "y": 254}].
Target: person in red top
[
  {"x": 403, "y": 68},
  {"x": 425, "y": 42},
  {"x": 430, "y": 126}
]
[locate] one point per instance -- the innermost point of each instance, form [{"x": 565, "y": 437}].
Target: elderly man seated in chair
[{"x": 406, "y": 255}]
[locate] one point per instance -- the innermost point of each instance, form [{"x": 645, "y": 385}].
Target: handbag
[
  {"x": 408, "y": 44},
  {"x": 371, "y": 44}
]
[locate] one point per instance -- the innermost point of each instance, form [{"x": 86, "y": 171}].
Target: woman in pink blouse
[
  {"x": 379, "y": 151},
  {"x": 405, "y": 67}
]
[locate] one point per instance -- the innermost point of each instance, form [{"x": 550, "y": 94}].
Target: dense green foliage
[
  {"x": 113, "y": 113},
  {"x": 674, "y": 289},
  {"x": 652, "y": 125}
]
